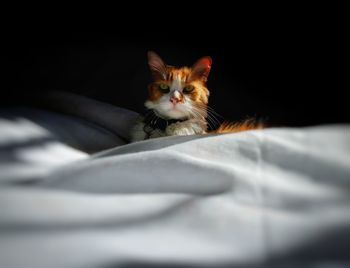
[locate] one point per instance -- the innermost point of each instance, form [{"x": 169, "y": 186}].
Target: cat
[{"x": 177, "y": 103}]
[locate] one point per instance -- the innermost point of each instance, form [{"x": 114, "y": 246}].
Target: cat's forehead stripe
[
  {"x": 179, "y": 74},
  {"x": 177, "y": 82}
]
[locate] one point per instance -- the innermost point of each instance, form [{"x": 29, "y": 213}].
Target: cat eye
[
  {"x": 188, "y": 89},
  {"x": 164, "y": 88}
]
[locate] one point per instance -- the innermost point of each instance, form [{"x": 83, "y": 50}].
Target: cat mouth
[
  {"x": 176, "y": 105},
  {"x": 176, "y": 108}
]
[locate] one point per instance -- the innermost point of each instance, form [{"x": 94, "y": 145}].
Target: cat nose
[{"x": 174, "y": 100}]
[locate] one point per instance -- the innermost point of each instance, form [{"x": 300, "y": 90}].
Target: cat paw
[{"x": 179, "y": 129}]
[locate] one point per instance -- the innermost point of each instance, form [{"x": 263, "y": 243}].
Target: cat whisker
[
  {"x": 214, "y": 118},
  {"x": 207, "y": 107},
  {"x": 200, "y": 112},
  {"x": 210, "y": 109},
  {"x": 205, "y": 112},
  {"x": 197, "y": 114},
  {"x": 211, "y": 117},
  {"x": 202, "y": 117},
  {"x": 211, "y": 123}
]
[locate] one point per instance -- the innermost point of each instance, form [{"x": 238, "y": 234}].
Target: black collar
[{"x": 154, "y": 121}]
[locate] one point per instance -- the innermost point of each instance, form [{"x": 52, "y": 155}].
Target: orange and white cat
[{"x": 178, "y": 102}]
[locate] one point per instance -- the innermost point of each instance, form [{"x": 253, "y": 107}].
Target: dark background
[{"x": 284, "y": 73}]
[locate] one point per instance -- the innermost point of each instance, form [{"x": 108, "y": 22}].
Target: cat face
[{"x": 178, "y": 92}]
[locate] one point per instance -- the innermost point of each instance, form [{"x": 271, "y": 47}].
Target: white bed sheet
[{"x": 272, "y": 198}]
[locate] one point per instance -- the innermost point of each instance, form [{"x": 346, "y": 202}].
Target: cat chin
[
  {"x": 170, "y": 113},
  {"x": 173, "y": 114}
]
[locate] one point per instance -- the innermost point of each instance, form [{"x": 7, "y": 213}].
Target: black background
[{"x": 288, "y": 71}]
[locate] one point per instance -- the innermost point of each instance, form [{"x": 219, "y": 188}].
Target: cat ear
[
  {"x": 201, "y": 69},
  {"x": 156, "y": 65}
]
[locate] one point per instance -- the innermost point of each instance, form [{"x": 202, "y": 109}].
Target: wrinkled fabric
[{"x": 271, "y": 198}]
